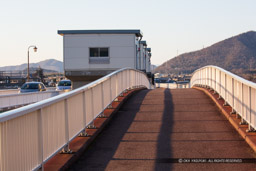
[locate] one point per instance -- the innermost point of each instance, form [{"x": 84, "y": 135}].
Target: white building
[{"x": 91, "y": 54}]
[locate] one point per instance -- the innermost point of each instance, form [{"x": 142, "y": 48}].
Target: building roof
[{"x": 138, "y": 33}]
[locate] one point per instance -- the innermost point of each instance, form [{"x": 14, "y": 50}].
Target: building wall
[
  {"x": 147, "y": 62},
  {"x": 76, "y": 51},
  {"x": 141, "y": 57}
]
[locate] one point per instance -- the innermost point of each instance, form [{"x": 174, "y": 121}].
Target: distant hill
[
  {"x": 48, "y": 65},
  {"x": 236, "y": 54}
]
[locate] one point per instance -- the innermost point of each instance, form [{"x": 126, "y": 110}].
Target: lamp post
[{"x": 35, "y": 49}]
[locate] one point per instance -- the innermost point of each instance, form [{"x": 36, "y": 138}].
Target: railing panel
[
  {"x": 237, "y": 100},
  {"x": 229, "y": 89},
  {"x": 97, "y": 102},
  {"x": 19, "y": 143},
  {"x": 53, "y": 128},
  {"x": 246, "y": 110},
  {"x": 253, "y": 107},
  {"x": 106, "y": 93},
  {"x": 113, "y": 87},
  {"x": 88, "y": 106},
  {"x": 119, "y": 83},
  {"x": 240, "y": 97},
  {"x": 218, "y": 86},
  {"x": 222, "y": 84},
  {"x": 75, "y": 114}
]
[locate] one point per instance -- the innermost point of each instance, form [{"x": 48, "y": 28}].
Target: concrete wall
[{"x": 121, "y": 51}]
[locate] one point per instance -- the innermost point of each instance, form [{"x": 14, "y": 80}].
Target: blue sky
[{"x": 170, "y": 27}]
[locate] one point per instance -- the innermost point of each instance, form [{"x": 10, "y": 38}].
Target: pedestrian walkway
[{"x": 157, "y": 128}]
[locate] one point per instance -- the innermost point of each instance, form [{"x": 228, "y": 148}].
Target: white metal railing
[
  {"x": 12, "y": 100},
  {"x": 239, "y": 93},
  {"x": 16, "y": 91},
  {"x": 9, "y": 91},
  {"x": 31, "y": 135},
  {"x": 171, "y": 85}
]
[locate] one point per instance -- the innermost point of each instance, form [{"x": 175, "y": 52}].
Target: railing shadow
[{"x": 164, "y": 151}]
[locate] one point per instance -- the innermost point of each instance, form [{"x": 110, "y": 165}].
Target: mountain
[
  {"x": 49, "y": 64},
  {"x": 236, "y": 54}
]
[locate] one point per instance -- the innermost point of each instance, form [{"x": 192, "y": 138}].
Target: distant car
[
  {"x": 32, "y": 87},
  {"x": 64, "y": 85}
]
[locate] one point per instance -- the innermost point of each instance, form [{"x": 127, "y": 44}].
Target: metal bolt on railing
[
  {"x": 243, "y": 122},
  {"x": 91, "y": 126},
  {"x": 233, "y": 111},
  {"x": 66, "y": 150},
  {"x": 250, "y": 129},
  {"x": 110, "y": 106},
  {"x": 226, "y": 104},
  {"x": 102, "y": 115},
  {"x": 83, "y": 134},
  {"x": 238, "y": 116}
]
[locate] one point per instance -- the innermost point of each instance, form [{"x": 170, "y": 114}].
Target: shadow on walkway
[{"x": 164, "y": 152}]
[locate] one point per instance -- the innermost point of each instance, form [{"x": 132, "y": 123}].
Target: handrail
[
  {"x": 237, "y": 92},
  {"x": 31, "y": 135}
]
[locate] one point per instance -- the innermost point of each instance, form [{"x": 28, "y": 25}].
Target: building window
[
  {"x": 98, "y": 52},
  {"x": 99, "y": 55}
]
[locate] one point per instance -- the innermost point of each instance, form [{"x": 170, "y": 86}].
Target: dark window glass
[
  {"x": 64, "y": 83},
  {"x": 29, "y": 86},
  {"x": 94, "y": 52},
  {"x": 103, "y": 52}
]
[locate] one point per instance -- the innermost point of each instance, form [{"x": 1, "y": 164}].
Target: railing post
[
  {"x": 122, "y": 76},
  {"x": 84, "y": 109},
  {"x": 220, "y": 86},
  {"x": 92, "y": 106},
  {"x": 40, "y": 139},
  {"x": 225, "y": 91},
  {"x": 129, "y": 79},
  {"x": 243, "y": 122},
  {"x": 208, "y": 84},
  {"x": 102, "y": 101},
  {"x": 250, "y": 128},
  {"x": 233, "y": 97},
  {"x": 110, "y": 88},
  {"x": 66, "y": 148},
  {"x": 215, "y": 90},
  {"x": 83, "y": 133}
]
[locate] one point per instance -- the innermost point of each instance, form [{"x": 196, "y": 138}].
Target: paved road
[{"x": 155, "y": 126}]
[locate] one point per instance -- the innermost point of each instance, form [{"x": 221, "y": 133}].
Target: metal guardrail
[
  {"x": 237, "y": 92},
  {"x": 9, "y": 91},
  {"x": 12, "y": 100},
  {"x": 16, "y": 91},
  {"x": 31, "y": 135}
]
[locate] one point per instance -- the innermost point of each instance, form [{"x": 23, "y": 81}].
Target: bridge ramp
[{"x": 155, "y": 126}]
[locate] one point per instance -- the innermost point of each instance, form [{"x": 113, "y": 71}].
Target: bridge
[{"x": 128, "y": 126}]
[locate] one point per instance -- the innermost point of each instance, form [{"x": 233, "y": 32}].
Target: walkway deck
[{"x": 154, "y": 126}]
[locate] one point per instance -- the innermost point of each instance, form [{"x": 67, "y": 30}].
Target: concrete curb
[{"x": 249, "y": 137}]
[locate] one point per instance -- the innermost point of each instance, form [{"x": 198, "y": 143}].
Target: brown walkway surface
[{"x": 154, "y": 126}]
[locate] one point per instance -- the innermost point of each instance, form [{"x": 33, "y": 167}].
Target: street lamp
[{"x": 35, "y": 49}]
